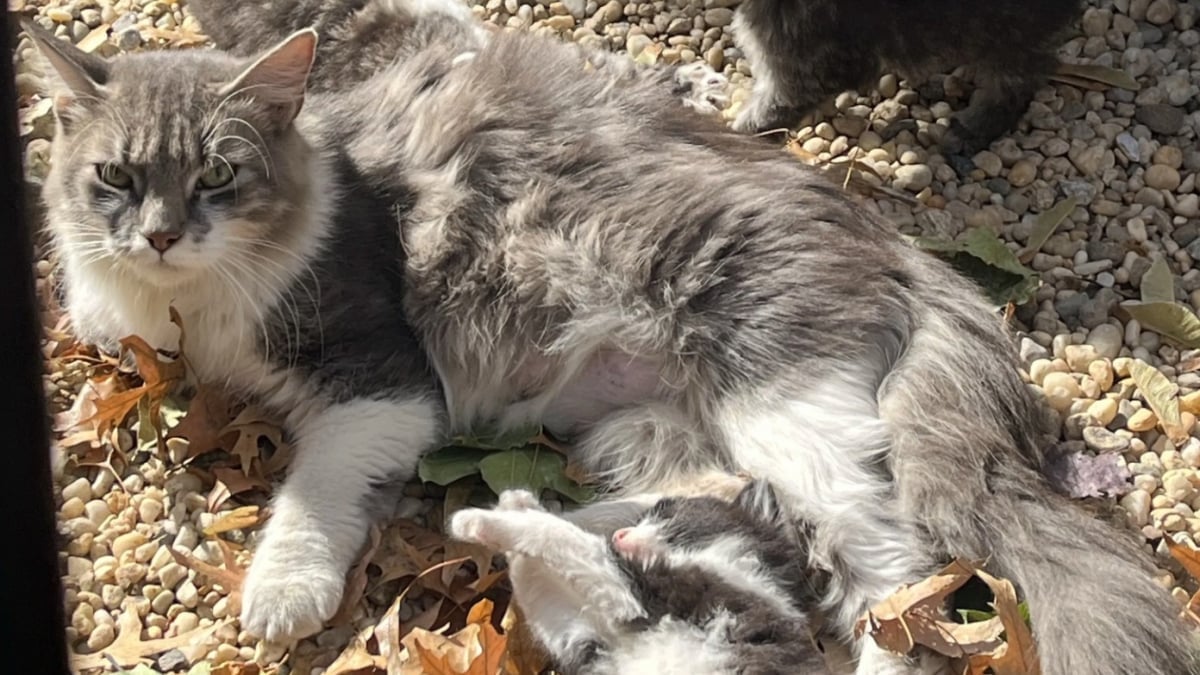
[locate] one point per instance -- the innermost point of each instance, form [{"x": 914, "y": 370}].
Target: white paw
[
  {"x": 283, "y": 602},
  {"x": 518, "y": 500},
  {"x": 470, "y": 525}
]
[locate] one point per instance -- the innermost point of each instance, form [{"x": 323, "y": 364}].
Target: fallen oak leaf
[
  {"x": 251, "y": 425},
  {"x": 357, "y": 657},
  {"x": 1160, "y": 393},
  {"x": 237, "y": 519},
  {"x": 1186, "y": 555},
  {"x": 356, "y": 580},
  {"x": 231, "y": 482},
  {"x": 229, "y": 577},
  {"x": 1018, "y": 655},
  {"x": 493, "y": 644},
  {"x": 129, "y": 649},
  {"x": 204, "y": 426},
  {"x": 910, "y": 616}
]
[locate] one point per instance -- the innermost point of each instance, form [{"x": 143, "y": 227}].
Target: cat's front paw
[
  {"x": 284, "y": 602},
  {"x": 518, "y": 500},
  {"x": 472, "y": 525},
  {"x": 758, "y": 114}
]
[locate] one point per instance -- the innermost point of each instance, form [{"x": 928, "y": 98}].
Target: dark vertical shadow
[{"x": 31, "y": 605}]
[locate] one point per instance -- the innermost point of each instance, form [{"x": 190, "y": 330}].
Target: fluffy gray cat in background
[
  {"x": 418, "y": 228},
  {"x": 698, "y": 586},
  {"x": 806, "y": 51}
]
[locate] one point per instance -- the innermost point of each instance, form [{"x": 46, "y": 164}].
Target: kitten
[
  {"x": 698, "y": 586},
  {"x": 804, "y": 51},
  {"x": 495, "y": 230}
]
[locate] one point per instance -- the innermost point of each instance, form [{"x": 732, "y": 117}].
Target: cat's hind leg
[
  {"x": 1001, "y": 97},
  {"x": 825, "y": 451}
]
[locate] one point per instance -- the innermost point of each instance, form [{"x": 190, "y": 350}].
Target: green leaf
[
  {"x": 974, "y": 615},
  {"x": 981, "y": 255},
  {"x": 1045, "y": 225},
  {"x": 513, "y": 438},
  {"x": 533, "y": 469},
  {"x": 1158, "y": 284},
  {"x": 147, "y": 440},
  {"x": 1167, "y": 318},
  {"x": 449, "y": 464},
  {"x": 1161, "y": 394},
  {"x": 202, "y": 668}
]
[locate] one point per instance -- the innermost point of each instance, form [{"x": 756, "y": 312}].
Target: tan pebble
[
  {"x": 187, "y": 595},
  {"x": 1172, "y": 460},
  {"x": 246, "y": 653},
  {"x": 112, "y": 595},
  {"x": 78, "y": 489},
  {"x": 1089, "y": 388},
  {"x": 1162, "y": 506},
  {"x": 60, "y": 15},
  {"x": 145, "y": 552},
  {"x": 1104, "y": 411},
  {"x": 162, "y": 556},
  {"x": 1190, "y": 403},
  {"x": 1122, "y": 365},
  {"x": 105, "y": 568},
  {"x": 72, "y": 508},
  {"x": 1137, "y": 505},
  {"x": 1191, "y": 453},
  {"x": 81, "y": 546},
  {"x": 1193, "y": 525},
  {"x": 1181, "y": 596},
  {"x": 176, "y": 610},
  {"x": 1061, "y": 390},
  {"x": 1188, "y": 422},
  {"x": 186, "y": 621},
  {"x": 162, "y": 602},
  {"x": 130, "y": 573},
  {"x": 1142, "y": 420},
  {"x": 153, "y": 632},
  {"x": 1102, "y": 372},
  {"x": 127, "y": 543},
  {"x": 1164, "y": 578},
  {"x": 171, "y": 574},
  {"x": 225, "y": 652},
  {"x": 98, "y": 511},
  {"x": 158, "y": 621},
  {"x": 1173, "y": 522},
  {"x": 1176, "y": 485},
  {"x": 77, "y": 566},
  {"x": 81, "y": 619},
  {"x": 101, "y": 637},
  {"x": 221, "y": 608},
  {"x": 150, "y": 510},
  {"x": 1079, "y": 357}
]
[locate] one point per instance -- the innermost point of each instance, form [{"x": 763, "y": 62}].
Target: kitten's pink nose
[
  {"x": 161, "y": 241},
  {"x": 620, "y": 535}
]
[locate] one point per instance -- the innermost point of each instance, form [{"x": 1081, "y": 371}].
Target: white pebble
[{"x": 78, "y": 489}]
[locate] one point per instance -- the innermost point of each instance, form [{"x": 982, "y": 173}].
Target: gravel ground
[{"x": 1129, "y": 158}]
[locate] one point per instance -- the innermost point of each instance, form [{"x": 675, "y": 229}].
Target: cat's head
[
  {"x": 690, "y": 523},
  {"x": 168, "y": 166}
]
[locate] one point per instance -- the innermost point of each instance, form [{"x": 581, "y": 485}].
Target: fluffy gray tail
[{"x": 966, "y": 433}]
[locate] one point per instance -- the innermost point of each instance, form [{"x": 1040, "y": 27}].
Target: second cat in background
[{"x": 804, "y": 51}]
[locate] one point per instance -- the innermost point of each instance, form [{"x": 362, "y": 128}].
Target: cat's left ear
[
  {"x": 279, "y": 77},
  {"x": 758, "y": 498},
  {"x": 73, "y": 73}
]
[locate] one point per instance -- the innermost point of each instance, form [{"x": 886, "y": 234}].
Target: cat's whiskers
[
  {"x": 261, "y": 148},
  {"x": 78, "y": 134},
  {"x": 281, "y": 292},
  {"x": 249, "y": 246}
]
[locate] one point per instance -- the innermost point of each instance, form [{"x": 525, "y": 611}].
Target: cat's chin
[{"x": 166, "y": 275}]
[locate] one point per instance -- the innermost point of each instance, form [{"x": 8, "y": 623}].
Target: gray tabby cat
[
  {"x": 699, "y": 586},
  {"x": 447, "y": 229},
  {"x": 805, "y": 51}
]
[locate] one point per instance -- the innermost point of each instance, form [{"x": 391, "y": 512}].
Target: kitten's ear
[
  {"x": 279, "y": 77},
  {"x": 73, "y": 73},
  {"x": 759, "y": 499}
]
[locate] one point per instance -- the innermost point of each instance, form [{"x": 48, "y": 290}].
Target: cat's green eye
[
  {"x": 114, "y": 176},
  {"x": 217, "y": 175}
]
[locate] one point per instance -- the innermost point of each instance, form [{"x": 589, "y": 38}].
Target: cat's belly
[
  {"x": 549, "y": 391},
  {"x": 610, "y": 380}
]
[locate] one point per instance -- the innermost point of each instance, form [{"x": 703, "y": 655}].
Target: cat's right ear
[
  {"x": 73, "y": 73},
  {"x": 279, "y": 78}
]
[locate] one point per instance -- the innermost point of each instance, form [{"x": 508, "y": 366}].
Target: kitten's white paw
[
  {"x": 283, "y": 603},
  {"x": 518, "y": 500},
  {"x": 470, "y": 525}
]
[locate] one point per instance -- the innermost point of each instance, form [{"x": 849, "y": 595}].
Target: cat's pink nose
[
  {"x": 620, "y": 535},
  {"x": 161, "y": 241}
]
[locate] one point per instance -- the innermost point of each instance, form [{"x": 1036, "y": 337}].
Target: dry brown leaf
[
  {"x": 1186, "y": 555},
  {"x": 1018, "y": 654},
  {"x": 356, "y": 580},
  {"x": 230, "y": 576},
  {"x": 357, "y": 658},
  {"x": 524, "y": 653},
  {"x": 237, "y": 519},
  {"x": 911, "y": 616},
  {"x": 1161, "y": 394},
  {"x": 129, "y": 649},
  {"x": 230, "y": 482},
  {"x": 204, "y": 424},
  {"x": 494, "y": 645},
  {"x": 251, "y": 425}
]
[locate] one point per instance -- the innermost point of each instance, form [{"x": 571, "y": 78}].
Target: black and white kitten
[
  {"x": 805, "y": 51},
  {"x": 699, "y": 586},
  {"x": 417, "y": 228}
]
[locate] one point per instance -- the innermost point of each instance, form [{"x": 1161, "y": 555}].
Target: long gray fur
[{"x": 576, "y": 247}]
